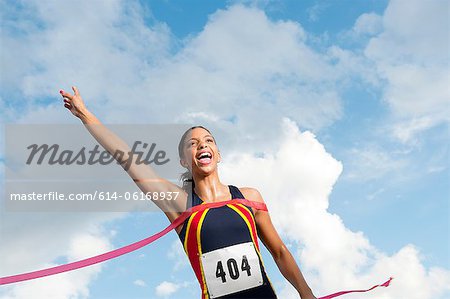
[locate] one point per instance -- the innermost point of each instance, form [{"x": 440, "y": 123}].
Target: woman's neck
[{"x": 210, "y": 189}]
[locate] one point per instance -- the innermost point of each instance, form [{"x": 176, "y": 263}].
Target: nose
[{"x": 202, "y": 145}]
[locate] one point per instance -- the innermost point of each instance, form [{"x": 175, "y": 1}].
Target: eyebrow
[{"x": 203, "y": 137}]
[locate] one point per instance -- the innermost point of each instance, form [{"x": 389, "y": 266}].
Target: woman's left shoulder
[{"x": 251, "y": 194}]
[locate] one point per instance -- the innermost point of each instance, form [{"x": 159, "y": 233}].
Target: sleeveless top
[{"x": 222, "y": 247}]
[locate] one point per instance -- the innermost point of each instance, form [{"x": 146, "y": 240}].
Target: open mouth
[{"x": 204, "y": 158}]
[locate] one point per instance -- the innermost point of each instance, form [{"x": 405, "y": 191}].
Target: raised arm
[
  {"x": 281, "y": 255},
  {"x": 143, "y": 175}
]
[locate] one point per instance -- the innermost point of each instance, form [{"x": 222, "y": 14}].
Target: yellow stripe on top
[
  {"x": 199, "y": 242},
  {"x": 250, "y": 230},
  {"x": 250, "y": 211},
  {"x": 246, "y": 221}
]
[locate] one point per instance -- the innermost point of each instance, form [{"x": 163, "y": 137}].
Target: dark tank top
[{"x": 222, "y": 247}]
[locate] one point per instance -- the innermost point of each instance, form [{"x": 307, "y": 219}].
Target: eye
[
  {"x": 210, "y": 140},
  {"x": 191, "y": 143}
]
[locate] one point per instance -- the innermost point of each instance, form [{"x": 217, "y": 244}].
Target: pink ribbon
[
  {"x": 126, "y": 249},
  {"x": 385, "y": 284},
  {"x": 135, "y": 246}
]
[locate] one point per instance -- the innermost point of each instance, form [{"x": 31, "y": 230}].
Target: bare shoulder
[{"x": 251, "y": 194}]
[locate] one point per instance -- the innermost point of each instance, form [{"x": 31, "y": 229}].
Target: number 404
[{"x": 233, "y": 269}]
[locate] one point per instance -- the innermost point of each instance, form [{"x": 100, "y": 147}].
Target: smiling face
[{"x": 200, "y": 152}]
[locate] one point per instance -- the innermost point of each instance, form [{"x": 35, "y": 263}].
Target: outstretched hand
[{"x": 74, "y": 102}]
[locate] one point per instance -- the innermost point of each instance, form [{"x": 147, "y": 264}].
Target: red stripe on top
[
  {"x": 244, "y": 210},
  {"x": 192, "y": 248}
]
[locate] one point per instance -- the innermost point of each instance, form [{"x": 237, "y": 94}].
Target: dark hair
[{"x": 186, "y": 177}]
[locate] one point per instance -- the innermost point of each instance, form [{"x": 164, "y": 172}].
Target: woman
[{"x": 221, "y": 243}]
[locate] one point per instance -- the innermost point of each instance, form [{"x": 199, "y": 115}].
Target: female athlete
[{"x": 221, "y": 243}]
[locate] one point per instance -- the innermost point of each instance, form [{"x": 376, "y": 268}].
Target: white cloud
[
  {"x": 166, "y": 288},
  {"x": 178, "y": 256},
  {"x": 74, "y": 284},
  {"x": 242, "y": 66},
  {"x": 375, "y": 194},
  {"x": 316, "y": 10},
  {"x": 368, "y": 23},
  {"x": 33, "y": 241},
  {"x": 411, "y": 54},
  {"x": 95, "y": 51},
  {"x": 373, "y": 162},
  {"x": 296, "y": 181},
  {"x": 140, "y": 283}
]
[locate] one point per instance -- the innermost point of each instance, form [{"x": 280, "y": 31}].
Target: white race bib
[{"x": 231, "y": 269}]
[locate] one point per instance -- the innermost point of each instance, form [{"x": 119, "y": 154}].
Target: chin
[{"x": 206, "y": 170}]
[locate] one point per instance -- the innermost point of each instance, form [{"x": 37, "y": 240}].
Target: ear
[
  {"x": 184, "y": 163},
  {"x": 219, "y": 157}
]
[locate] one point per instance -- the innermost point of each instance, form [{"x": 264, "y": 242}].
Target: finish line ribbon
[
  {"x": 385, "y": 284},
  {"x": 129, "y": 248},
  {"x": 139, "y": 244}
]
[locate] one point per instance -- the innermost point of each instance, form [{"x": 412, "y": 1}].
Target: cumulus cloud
[
  {"x": 296, "y": 181},
  {"x": 100, "y": 44},
  {"x": 316, "y": 10},
  {"x": 59, "y": 233},
  {"x": 242, "y": 67},
  {"x": 411, "y": 55},
  {"x": 178, "y": 256},
  {"x": 166, "y": 288},
  {"x": 119, "y": 62},
  {"x": 372, "y": 162},
  {"x": 33, "y": 241},
  {"x": 140, "y": 283},
  {"x": 402, "y": 56},
  {"x": 368, "y": 24},
  {"x": 73, "y": 284}
]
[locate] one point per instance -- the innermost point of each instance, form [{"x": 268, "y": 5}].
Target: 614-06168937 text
[
  {"x": 61, "y": 168},
  {"x": 97, "y": 195}
]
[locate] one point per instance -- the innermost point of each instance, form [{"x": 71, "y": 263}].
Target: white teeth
[{"x": 204, "y": 155}]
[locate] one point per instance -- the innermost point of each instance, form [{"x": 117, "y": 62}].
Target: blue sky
[{"x": 354, "y": 90}]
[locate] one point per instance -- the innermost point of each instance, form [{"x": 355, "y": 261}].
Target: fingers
[
  {"x": 68, "y": 95},
  {"x": 67, "y": 102},
  {"x": 65, "y": 94},
  {"x": 75, "y": 90},
  {"x": 68, "y": 98}
]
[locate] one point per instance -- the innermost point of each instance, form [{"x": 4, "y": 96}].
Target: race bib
[{"x": 231, "y": 269}]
